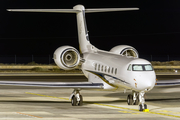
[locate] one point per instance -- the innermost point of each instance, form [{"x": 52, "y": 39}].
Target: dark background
[{"x": 154, "y": 30}]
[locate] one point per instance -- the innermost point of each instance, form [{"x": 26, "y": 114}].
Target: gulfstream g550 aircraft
[{"x": 117, "y": 69}]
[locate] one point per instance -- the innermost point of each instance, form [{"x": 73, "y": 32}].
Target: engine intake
[
  {"x": 67, "y": 57},
  {"x": 125, "y": 50}
]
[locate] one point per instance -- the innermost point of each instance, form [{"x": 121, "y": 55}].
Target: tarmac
[{"x": 21, "y": 103}]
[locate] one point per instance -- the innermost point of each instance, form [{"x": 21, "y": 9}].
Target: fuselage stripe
[{"x": 101, "y": 76}]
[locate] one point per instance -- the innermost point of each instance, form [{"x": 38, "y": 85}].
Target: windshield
[{"x": 137, "y": 67}]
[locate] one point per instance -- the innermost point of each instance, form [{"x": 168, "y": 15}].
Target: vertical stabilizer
[{"x": 84, "y": 43}]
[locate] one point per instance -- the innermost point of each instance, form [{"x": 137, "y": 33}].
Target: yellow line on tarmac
[
  {"x": 129, "y": 112},
  {"x": 138, "y": 110},
  {"x": 115, "y": 107},
  {"x": 46, "y": 96},
  {"x": 164, "y": 114},
  {"x": 109, "y": 106}
]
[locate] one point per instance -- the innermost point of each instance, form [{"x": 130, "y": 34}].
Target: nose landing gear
[
  {"x": 135, "y": 98},
  {"x": 142, "y": 106},
  {"x": 76, "y": 98}
]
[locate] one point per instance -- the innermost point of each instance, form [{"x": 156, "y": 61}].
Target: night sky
[{"x": 153, "y": 30}]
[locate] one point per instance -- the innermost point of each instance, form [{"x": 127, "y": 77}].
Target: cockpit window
[
  {"x": 129, "y": 67},
  {"x": 148, "y": 67},
  {"x": 137, "y": 67}
]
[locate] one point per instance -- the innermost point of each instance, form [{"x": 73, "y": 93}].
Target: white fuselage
[{"x": 113, "y": 70}]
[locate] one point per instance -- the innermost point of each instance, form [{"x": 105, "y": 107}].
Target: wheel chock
[{"x": 146, "y": 110}]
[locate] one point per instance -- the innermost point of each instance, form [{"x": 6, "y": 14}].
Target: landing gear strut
[
  {"x": 142, "y": 106},
  {"x": 135, "y": 98},
  {"x": 76, "y": 98}
]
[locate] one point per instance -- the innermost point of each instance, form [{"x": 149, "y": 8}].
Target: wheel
[
  {"x": 145, "y": 106},
  {"x": 140, "y": 108},
  {"x": 136, "y": 101},
  {"x": 81, "y": 101},
  {"x": 130, "y": 99},
  {"x": 73, "y": 100}
]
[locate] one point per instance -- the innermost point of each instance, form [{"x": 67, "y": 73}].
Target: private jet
[{"x": 118, "y": 69}]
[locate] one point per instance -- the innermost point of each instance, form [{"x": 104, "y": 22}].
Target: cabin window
[
  {"x": 95, "y": 66},
  {"x": 102, "y": 68},
  {"x": 109, "y": 70},
  {"x": 105, "y": 69},
  {"x": 99, "y": 67},
  {"x": 112, "y": 70},
  {"x": 116, "y": 71}
]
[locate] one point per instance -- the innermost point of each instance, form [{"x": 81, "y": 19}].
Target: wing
[
  {"x": 82, "y": 85},
  {"x": 167, "y": 80},
  {"x": 174, "y": 82}
]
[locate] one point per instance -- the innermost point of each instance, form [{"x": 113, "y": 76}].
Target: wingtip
[{"x": 8, "y": 9}]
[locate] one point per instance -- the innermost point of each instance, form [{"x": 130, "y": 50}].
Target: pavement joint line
[
  {"x": 112, "y": 106},
  {"x": 28, "y": 115}
]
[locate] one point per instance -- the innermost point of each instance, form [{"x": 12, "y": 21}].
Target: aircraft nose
[
  {"x": 145, "y": 82},
  {"x": 146, "y": 85},
  {"x": 149, "y": 85}
]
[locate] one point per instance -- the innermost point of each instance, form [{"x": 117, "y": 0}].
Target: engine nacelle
[
  {"x": 125, "y": 50},
  {"x": 66, "y": 57}
]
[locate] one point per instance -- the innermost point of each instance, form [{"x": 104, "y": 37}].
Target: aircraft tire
[
  {"x": 73, "y": 100},
  {"x": 140, "y": 108},
  {"x": 81, "y": 101},
  {"x": 145, "y": 106},
  {"x": 136, "y": 102},
  {"x": 130, "y": 99}
]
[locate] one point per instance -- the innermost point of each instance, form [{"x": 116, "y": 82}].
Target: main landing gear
[
  {"x": 135, "y": 98},
  {"x": 76, "y": 98}
]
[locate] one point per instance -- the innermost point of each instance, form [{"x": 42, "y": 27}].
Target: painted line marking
[
  {"x": 138, "y": 110},
  {"x": 46, "y": 96},
  {"x": 116, "y": 107},
  {"x": 28, "y": 115},
  {"x": 112, "y": 106},
  {"x": 128, "y": 112},
  {"x": 169, "y": 112}
]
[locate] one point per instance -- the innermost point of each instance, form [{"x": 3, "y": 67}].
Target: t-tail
[{"x": 84, "y": 43}]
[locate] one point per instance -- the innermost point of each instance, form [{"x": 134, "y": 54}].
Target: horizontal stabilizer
[
  {"x": 109, "y": 10},
  {"x": 72, "y": 10},
  {"x": 45, "y": 10}
]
